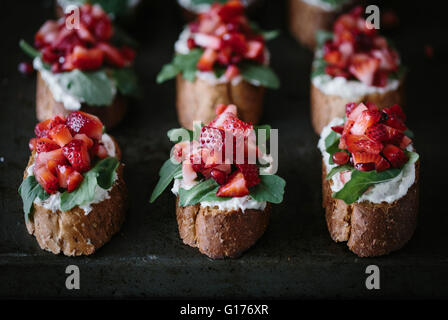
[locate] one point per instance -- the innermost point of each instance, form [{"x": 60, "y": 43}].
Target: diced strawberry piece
[
  {"x": 81, "y": 122},
  {"x": 364, "y": 67},
  {"x": 198, "y": 159},
  {"x": 394, "y": 136},
  {"x": 60, "y": 134},
  {"x": 46, "y": 179},
  {"x": 335, "y": 58},
  {"x": 63, "y": 173},
  {"x": 396, "y": 111},
  {"x": 347, "y": 127},
  {"x": 356, "y": 112},
  {"x": 207, "y": 41},
  {"x": 220, "y": 109},
  {"x": 86, "y": 59},
  {"x": 349, "y": 107},
  {"x": 377, "y": 132},
  {"x": 78, "y": 156},
  {"x": 212, "y": 138},
  {"x": 237, "y": 127},
  {"x": 250, "y": 173},
  {"x": 254, "y": 49},
  {"x": 41, "y": 129},
  {"x": 336, "y": 72},
  {"x": 371, "y": 106},
  {"x": 103, "y": 29},
  {"x": 231, "y": 72},
  {"x": 45, "y": 145},
  {"x": 59, "y": 119},
  {"x": 85, "y": 138},
  {"x": 46, "y": 34},
  {"x": 112, "y": 55},
  {"x": 386, "y": 58},
  {"x": 380, "y": 79},
  {"x": 343, "y": 23},
  {"x": 358, "y": 143},
  {"x": 50, "y": 159},
  {"x": 235, "y": 187},
  {"x": 395, "y": 155},
  {"x": 338, "y": 129},
  {"x": 237, "y": 41},
  {"x": 32, "y": 143},
  {"x": 188, "y": 173},
  {"x": 84, "y": 34},
  {"x": 365, "y": 158},
  {"x": 395, "y": 122},
  {"x": 207, "y": 60},
  {"x": 219, "y": 176},
  {"x": 365, "y": 120},
  {"x": 99, "y": 150},
  {"x": 405, "y": 142},
  {"x": 231, "y": 10},
  {"x": 340, "y": 157},
  {"x": 74, "y": 180}
]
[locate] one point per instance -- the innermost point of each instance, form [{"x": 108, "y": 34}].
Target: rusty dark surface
[{"x": 296, "y": 257}]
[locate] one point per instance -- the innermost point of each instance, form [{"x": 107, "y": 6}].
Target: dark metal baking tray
[{"x": 296, "y": 257}]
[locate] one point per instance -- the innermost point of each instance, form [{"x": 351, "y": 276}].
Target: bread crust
[
  {"x": 371, "y": 229},
  {"x": 74, "y": 233},
  {"x": 221, "y": 234},
  {"x": 47, "y": 107},
  {"x": 306, "y": 19},
  {"x": 325, "y": 108},
  {"x": 197, "y": 100}
]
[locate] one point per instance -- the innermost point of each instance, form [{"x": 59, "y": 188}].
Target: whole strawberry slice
[
  {"x": 364, "y": 67},
  {"x": 235, "y": 187},
  {"x": 60, "y": 134},
  {"x": 395, "y": 155},
  {"x": 250, "y": 173},
  {"x": 78, "y": 156},
  {"x": 81, "y": 122},
  {"x": 219, "y": 176},
  {"x": 365, "y": 120}
]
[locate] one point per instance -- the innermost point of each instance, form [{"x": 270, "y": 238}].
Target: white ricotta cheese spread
[
  {"x": 389, "y": 191},
  {"x": 235, "y": 203},
  {"x": 53, "y": 202},
  {"x": 325, "y": 5}
]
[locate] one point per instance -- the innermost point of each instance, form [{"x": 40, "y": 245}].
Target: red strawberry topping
[
  {"x": 250, "y": 173},
  {"x": 236, "y": 186},
  {"x": 81, "y": 122},
  {"x": 78, "y": 156}
]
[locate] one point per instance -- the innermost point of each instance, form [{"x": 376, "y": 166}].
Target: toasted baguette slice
[
  {"x": 371, "y": 229},
  {"x": 305, "y": 19},
  {"x": 47, "y": 107},
  {"x": 221, "y": 234},
  {"x": 196, "y": 101},
  {"x": 74, "y": 233},
  {"x": 325, "y": 108}
]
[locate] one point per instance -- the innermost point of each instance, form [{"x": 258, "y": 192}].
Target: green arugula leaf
[
  {"x": 318, "y": 67},
  {"x": 29, "y": 190},
  {"x": 169, "y": 71},
  {"x": 203, "y": 191},
  {"x": 126, "y": 81},
  {"x": 167, "y": 173},
  {"x": 28, "y": 49},
  {"x": 271, "y": 189},
  {"x": 337, "y": 169},
  {"x": 261, "y": 74},
  {"x": 264, "y": 127},
  {"x": 106, "y": 172},
  {"x": 93, "y": 88},
  {"x": 185, "y": 63},
  {"x": 360, "y": 181},
  {"x": 85, "y": 193},
  {"x": 102, "y": 174}
]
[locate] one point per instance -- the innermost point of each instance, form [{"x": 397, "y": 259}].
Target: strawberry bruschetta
[
  {"x": 220, "y": 58},
  {"x": 224, "y": 184},
  {"x": 353, "y": 64},
  {"x": 370, "y": 179},
  {"x": 78, "y": 68},
  {"x": 73, "y": 190}
]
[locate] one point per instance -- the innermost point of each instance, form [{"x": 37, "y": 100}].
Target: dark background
[{"x": 296, "y": 257}]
